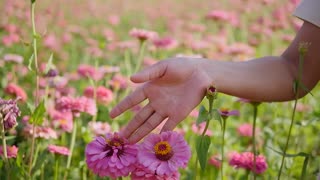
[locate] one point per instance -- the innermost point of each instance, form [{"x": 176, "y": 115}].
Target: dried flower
[{"x": 9, "y": 112}]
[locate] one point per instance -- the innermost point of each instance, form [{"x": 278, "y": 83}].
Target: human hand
[{"x": 173, "y": 87}]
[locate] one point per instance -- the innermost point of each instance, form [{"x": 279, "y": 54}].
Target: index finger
[{"x": 131, "y": 100}]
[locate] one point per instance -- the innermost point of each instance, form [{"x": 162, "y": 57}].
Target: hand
[{"x": 173, "y": 87}]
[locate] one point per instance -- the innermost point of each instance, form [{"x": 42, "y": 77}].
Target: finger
[
  {"x": 131, "y": 100},
  {"x": 170, "y": 124},
  {"x": 152, "y": 72},
  {"x": 137, "y": 120},
  {"x": 147, "y": 127}
]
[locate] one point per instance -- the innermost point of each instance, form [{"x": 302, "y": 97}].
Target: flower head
[
  {"x": 12, "y": 151},
  {"x": 165, "y": 43},
  {"x": 246, "y": 130},
  {"x": 111, "y": 156},
  {"x": 76, "y": 105},
  {"x": 58, "y": 150},
  {"x": 9, "y": 112},
  {"x": 13, "y": 58},
  {"x": 245, "y": 160},
  {"x": 142, "y": 34},
  {"x": 198, "y": 129},
  {"x": 142, "y": 173},
  {"x": 224, "y": 112},
  {"x": 164, "y": 153},
  {"x": 99, "y": 128},
  {"x": 104, "y": 95},
  {"x": 15, "y": 90}
]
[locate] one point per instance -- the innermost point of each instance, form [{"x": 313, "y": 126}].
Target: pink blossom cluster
[
  {"x": 76, "y": 105},
  {"x": 245, "y": 160},
  {"x": 158, "y": 157}
]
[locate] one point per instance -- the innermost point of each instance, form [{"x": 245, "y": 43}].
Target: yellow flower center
[
  {"x": 224, "y": 110},
  {"x": 163, "y": 150}
]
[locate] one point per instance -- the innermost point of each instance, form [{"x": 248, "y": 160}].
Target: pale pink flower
[
  {"x": 215, "y": 161},
  {"x": 13, "y": 58},
  {"x": 51, "y": 41},
  {"x": 76, "y": 105},
  {"x": 118, "y": 82},
  {"x": 9, "y": 40},
  {"x": 165, "y": 43},
  {"x": 141, "y": 173},
  {"x": 58, "y": 150},
  {"x": 16, "y": 91},
  {"x": 63, "y": 120},
  {"x": 99, "y": 128},
  {"x": 103, "y": 94},
  {"x": 142, "y": 34},
  {"x": 218, "y": 15},
  {"x": 114, "y": 19},
  {"x": 246, "y": 130},
  {"x": 12, "y": 151},
  {"x": 40, "y": 132},
  {"x": 90, "y": 71}
]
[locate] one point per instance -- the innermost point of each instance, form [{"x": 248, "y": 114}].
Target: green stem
[
  {"x": 224, "y": 124},
  {"x": 34, "y": 35},
  {"x": 296, "y": 88},
  {"x": 56, "y": 169},
  {"x": 254, "y": 151},
  {"x": 73, "y": 140},
  {"x": 141, "y": 55}
]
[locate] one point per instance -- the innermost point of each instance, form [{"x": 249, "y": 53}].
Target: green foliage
[
  {"x": 38, "y": 114},
  {"x": 202, "y": 147},
  {"x": 203, "y": 115}
]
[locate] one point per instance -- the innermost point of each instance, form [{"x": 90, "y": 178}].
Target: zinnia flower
[
  {"x": 9, "y": 112},
  {"x": 99, "y": 128},
  {"x": 214, "y": 161},
  {"x": 103, "y": 95},
  {"x": 142, "y": 34},
  {"x": 226, "y": 113},
  {"x": 198, "y": 129},
  {"x": 246, "y": 130},
  {"x": 13, "y": 58},
  {"x": 15, "y": 90},
  {"x": 58, "y": 150},
  {"x": 141, "y": 173},
  {"x": 76, "y": 105},
  {"x": 164, "y": 153},
  {"x": 12, "y": 151},
  {"x": 245, "y": 161},
  {"x": 40, "y": 132},
  {"x": 111, "y": 156}
]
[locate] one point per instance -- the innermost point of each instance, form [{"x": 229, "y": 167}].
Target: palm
[{"x": 173, "y": 89}]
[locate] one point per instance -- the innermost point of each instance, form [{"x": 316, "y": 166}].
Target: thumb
[{"x": 150, "y": 73}]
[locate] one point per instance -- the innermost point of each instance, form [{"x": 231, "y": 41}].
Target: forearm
[{"x": 264, "y": 79}]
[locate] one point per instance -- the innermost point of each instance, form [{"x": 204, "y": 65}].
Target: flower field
[{"x": 66, "y": 64}]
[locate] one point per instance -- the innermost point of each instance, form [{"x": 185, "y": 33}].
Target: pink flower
[
  {"x": 245, "y": 160},
  {"x": 88, "y": 71},
  {"x": 13, "y": 58},
  {"x": 9, "y": 40},
  {"x": 76, "y": 105},
  {"x": 119, "y": 82},
  {"x": 246, "y": 130},
  {"x": 114, "y": 20},
  {"x": 214, "y": 161},
  {"x": 142, "y": 34},
  {"x": 165, "y": 43},
  {"x": 51, "y": 42},
  {"x": 218, "y": 15},
  {"x": 40, "y": 132},
  {"x": 164, "y": 153},
  {"x": 12, "y": 151},
  {"x": 103, "y": 95},
  {"x": 99, "y": 128},
  {"x": 198, "y": 129},
  {"x": 58, "y": 150},
  {"x": 141, "y": 173},
  {"x": 63, "y": 120},
  {"x": 17, "y": 91},
  {"x": 224, "y": 112},
  {"x": 111, "y": 156}
]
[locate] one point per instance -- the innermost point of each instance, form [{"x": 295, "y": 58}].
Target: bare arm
[{"x": 270, "y": 78}]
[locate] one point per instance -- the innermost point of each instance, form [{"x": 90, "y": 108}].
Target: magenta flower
[
  {"x": 111, "y": 156},
  {"x": 164, "y": 153},
  {"x": 12, "y": 151},
  {"x": 141, "y": 173},
  {"x": 103, "y": 95},
  {"x": 16, "y": 91},
  {"x": 58, "y": 150},
  {"x": 9, "y": 112},
  {"x": 245, "y": 160},
  {"x": 226, "y": 113}
]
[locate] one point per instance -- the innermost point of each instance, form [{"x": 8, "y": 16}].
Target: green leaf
[
  {"x": 203, "y": 143},
  {"x": 33, "y": 1},
  {"x": 49, "y": 64},
  {"x": 30, "y": 62},
  {"x": 203, "y": 115},
  {"x": 38, "y": 114},
  {"x": 216, "y": 116},
  {"x": 301, "y": 154},
  {"x": 304, "y": 168}
]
